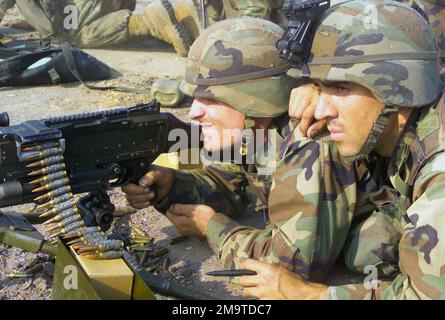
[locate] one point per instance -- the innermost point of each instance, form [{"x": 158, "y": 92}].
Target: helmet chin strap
[
  {"x": 249, "y": 123},
  {"x": 375, "y": 134}
]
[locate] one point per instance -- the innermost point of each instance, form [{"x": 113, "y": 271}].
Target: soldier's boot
[
  {"x": 159, "y": 21},
  {"x": 187, "y": 12}
]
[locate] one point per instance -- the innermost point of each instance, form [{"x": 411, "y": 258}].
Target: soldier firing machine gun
[{"x": 49, "y": 161}]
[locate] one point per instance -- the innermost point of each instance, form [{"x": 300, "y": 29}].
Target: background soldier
[
  {"x": 109, "y": 22},
  {"x": 189, "y": 13},
  {"x": 400, "y": 132},
  {"x": 103, "y": 23}
]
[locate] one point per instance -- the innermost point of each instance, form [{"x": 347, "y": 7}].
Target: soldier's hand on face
[
  {"x": 302, "y": 104},
  {"x": 190, "y": 220},
  {"x": 277, "y": 283},
  {"x": 154, "y": 186}
]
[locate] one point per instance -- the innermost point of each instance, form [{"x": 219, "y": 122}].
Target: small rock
[{"x": 40, "y": 284}]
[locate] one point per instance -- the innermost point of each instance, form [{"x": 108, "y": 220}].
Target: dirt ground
[{"x": 137, "y": 66}]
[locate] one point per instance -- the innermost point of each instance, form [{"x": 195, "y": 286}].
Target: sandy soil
[{"x": 138, "y": 65}]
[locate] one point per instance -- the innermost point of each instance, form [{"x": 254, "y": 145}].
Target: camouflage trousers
[
  {"x": 102, "y": 23},
  {"x": 226, "y": 9},
  {"x": 93, "y": 23}
]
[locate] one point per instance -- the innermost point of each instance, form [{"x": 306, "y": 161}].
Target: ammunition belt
[{"x": 57, "y": 204}]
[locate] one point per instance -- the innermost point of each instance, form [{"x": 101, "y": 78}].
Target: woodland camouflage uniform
[
  {"x": 188, "y": 12},
  {"x": 109, "y": 22},
  {"x": 218, "y": 54},
  {"x": 403, "y": 235},
  {"x": 100, "y": 23}
]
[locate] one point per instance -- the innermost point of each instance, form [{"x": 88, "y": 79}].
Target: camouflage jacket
[
  {"x": 310, "y": 204},
  {"x": 225, "y": 9},
  {"x": 47, "y": 17},
  {"x": 5, "y": 5},
  {"x": 230, "y": 188},
  {"x": 416, "y": 173}
]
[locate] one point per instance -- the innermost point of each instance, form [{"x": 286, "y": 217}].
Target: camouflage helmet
[
  {"x": 435, "y": 11},
  {"x": 384, "y": 46},
  {"x": 235, "y": 61}
]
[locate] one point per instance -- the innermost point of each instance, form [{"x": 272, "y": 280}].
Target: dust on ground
[{"x": 135, "y": 65}]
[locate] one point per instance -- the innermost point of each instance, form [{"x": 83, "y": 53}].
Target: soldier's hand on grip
[
  {"x": 154, "y": 186},
  {"x": 302, "y": 104}
]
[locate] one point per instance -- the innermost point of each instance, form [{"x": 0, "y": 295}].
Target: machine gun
[
  {"x": 49, "y": 161},
  {"x": 295, "y": 43},
  {"x": 44, "y": 160}
]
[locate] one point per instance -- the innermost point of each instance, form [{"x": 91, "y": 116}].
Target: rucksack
[{"x": 49, "y": 65}]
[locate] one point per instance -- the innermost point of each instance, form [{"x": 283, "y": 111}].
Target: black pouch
[{"x": 49, "y": 65}]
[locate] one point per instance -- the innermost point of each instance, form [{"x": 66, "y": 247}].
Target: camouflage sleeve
[
  {"x": 421, "y": 248},
  {"x": 255, "y": 8},
  {"x": 221, "y": 186},
  {"x": 5, "y": 5},
  {"x": 310, "y": 207}
]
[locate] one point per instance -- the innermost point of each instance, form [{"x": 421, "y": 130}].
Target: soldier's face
[
  {"x": 350, "y": 111},
  {"x": 221, "y": 124}
]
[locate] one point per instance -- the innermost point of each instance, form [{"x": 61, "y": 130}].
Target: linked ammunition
[
  {"x": 178, "y": 239},
  {"x": 46, "y": 162},
  {"x": 38, "y": 155},
  {"x": 105, "y": 255},
  {"x": 55, "y": 201},
  {"x": 107, "y": 245},
  {"x": 65, "y": 209},
  {"x": 40, "y": 147},
  {"x": 50, "y": 178},
  {"x": 52, "y": 185},
  {"x": 65, "y": 222},
  {"x": 81, "y": 232},
  {"x": 89, "y": 239},
  {"x": 72, "y": 227},
  {"x": 64, "y": 215},
  {"x": 48, "y": 170},
  {"x": 54, "y": 193}
]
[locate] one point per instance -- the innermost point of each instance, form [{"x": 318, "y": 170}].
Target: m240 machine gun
[{"x": 49, "y": 161}]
